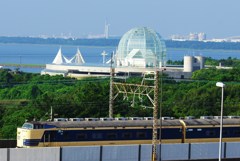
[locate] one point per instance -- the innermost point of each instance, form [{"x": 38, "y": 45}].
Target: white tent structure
[
  {"x": 111, "y": 59},
  {"x": 60, "y": 59},
  {"x": 77, "y": 58}
]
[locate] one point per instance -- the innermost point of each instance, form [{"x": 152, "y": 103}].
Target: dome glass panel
[{"x": 147, "y": 41}]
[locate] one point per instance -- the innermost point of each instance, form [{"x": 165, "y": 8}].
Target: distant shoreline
[
  {"x": 22, "y": 65},
  {"x": 191, "y": 45}
]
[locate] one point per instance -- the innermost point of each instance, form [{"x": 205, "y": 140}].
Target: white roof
[
  {"x": 111, "y": 59},
  {"x": 135, "y": 53},
  {"x": 77, "y": 59},
  {"x": 60, "y": 59}
]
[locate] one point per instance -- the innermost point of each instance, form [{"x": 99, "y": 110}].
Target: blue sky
[{"x": 217, "y": 18}]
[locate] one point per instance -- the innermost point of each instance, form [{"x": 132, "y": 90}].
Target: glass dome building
[{"x": 141, "y": 47}]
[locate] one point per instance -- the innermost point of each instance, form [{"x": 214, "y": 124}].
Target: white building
[
  {"x": 140, "y": 50},
  {"x": 193, "y": 36},
  {"x": 202, "y": 36},
  {"x": 193, "y": 63}
]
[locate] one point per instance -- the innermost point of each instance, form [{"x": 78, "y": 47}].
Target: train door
[{"x": 46, "y": 139}]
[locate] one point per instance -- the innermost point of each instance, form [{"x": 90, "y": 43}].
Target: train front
[{"x": 29, "y": 135}]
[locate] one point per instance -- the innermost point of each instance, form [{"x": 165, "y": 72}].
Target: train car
[
  {"x": 122, "y": 131},
  {"x": 208, "y": 130},
  {"x": 78, "y": 133}
]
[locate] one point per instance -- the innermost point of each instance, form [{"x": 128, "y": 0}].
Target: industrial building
[{"x": 140, "y": 50}]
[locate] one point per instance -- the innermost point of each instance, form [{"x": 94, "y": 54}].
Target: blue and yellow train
[{"x": 115, "y": 132}]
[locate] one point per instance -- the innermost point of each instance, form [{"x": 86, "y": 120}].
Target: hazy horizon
[{"x": 81, "y": 18}]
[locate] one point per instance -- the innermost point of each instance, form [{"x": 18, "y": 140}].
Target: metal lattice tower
[
  {"x": 155, "y": 116},
  {"x": 141, "y": 90},
  {"x": 135, "y": 89},
  {"x": 111, "y": 93}
]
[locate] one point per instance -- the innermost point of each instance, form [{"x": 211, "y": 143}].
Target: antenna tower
[{"x": 106, "y": 30}]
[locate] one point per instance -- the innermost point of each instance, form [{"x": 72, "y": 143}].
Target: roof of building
[
  {"x": 77, "y": 58},
  {"x": 141, "y": 40},
  {"x": 59, "y": 59}
]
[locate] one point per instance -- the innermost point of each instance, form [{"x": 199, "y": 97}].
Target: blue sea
[{"x": 44, "y": 54}]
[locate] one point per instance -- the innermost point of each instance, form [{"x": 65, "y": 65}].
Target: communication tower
[{"x": 106, "y": 30}]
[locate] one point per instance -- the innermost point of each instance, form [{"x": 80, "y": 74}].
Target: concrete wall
[
  {"x": 174, "y": 151},
  {"x": 91, "y": 153},
  {"x": 145, "y": 152},
  {"x": 232, "y": 150},
  {"x": 122, "y": 152},
  {"x": 179, "y": 75},
  {"x": 3, "y": 154},
  {"x": 205, "y": 150},
  {"x": 35, "y": 154}
]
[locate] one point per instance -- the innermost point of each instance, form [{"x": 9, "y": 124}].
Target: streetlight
[{"x": 221, "y": 85}]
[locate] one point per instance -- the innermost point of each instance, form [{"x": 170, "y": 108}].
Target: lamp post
[{"x": 221, "y": 85}]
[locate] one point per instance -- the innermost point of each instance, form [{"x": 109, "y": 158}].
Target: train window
[
  {"x": 53, "y": 136},
  {"x": 199, "y": 129},
  {"x": 66, "y": 135},
  {"x": 38, "y": 126},
  {"x": 60, "y": 132},
  {"x": 225, "y": 132},
  {"x": 210, "y": 133},
  {"x": 97, "y": 135},
  {"x": 237, "y": 132},
  {"x": 141, "y": 135},
  {"x": 46, "y": 137},
  {"x": 127, "y": 135},
  {"x": 27, "y": 126},
  {"x": 81, "y": 136},
  {"x": 111, "y": 136}
]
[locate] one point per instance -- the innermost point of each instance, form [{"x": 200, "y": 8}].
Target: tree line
[
  {"x": 28, "y": 96},
  {"x": 114, "y": 42}
]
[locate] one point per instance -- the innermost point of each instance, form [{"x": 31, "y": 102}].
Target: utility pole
[
  {"x": 111, "y": 90},
  {"x": 51, "y": 114},
  {"x": 141, "y": 90},
  {"x": 155, "y": 117}
]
